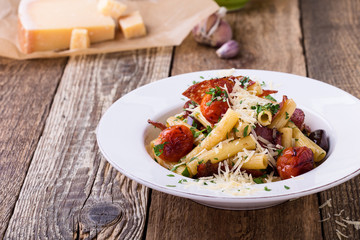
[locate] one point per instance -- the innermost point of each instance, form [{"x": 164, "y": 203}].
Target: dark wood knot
[{"x": 101, "y": 214}]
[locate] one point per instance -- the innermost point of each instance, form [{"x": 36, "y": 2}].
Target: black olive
[{"x": 320, "y": 138}]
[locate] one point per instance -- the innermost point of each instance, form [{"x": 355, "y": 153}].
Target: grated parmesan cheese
[
  {"x": 340, "y": 234},
  {"x": 326, "y": 203},
  {"x": 356, "y": 224}
]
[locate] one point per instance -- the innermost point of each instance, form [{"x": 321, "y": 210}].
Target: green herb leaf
[
  {"x": 258, "y": 180},
  {"x": 182, "y": 181},
  {"x": 279, "y": 151},
  {"x": 158, "y": 149},
  {"x": 171, "y": 185},
  {"x": 195, "y": 132},
  {"x": 286, "y": 115},
  {"x": 269, "y": 97},
  {"x": 245, "y": 133},
  {"x": 176, "y": 167},
  {"x": 186, "y": 172},
  {"x": 286, "y": 187},
  {"x": 217, "y": 94},
  {"x": 208, "y": 130},
  {"x": 267, "y": 189},
  {"x": 170, "y": 175},
  {"x": 201, "y": 77}
]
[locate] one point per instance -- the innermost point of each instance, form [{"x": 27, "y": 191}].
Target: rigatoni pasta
[{"x": 237, "y": 128}]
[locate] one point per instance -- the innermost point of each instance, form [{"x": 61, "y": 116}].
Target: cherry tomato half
[
  {"x": 213, "y": 110},
  {"x": 294, "y": 162},
  {"x": 173, "y": 143}
]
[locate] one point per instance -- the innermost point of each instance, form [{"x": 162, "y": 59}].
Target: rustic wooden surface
[
  {"x": 333, "y": 57},
  {"x": 26, "y": 92},
  {"x": 54, "y": 183}
]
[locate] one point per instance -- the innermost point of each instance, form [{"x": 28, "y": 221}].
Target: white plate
[{"x": 123, "y": 134}]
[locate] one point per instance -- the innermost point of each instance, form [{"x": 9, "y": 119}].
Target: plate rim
[{"x": 226, "y": 198}]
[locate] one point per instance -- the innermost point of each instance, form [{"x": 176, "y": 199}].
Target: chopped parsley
[
  {"x": 269, "y": 97},
  {"x": 245, "y": 133},
  {"x": 171, "y": 185},
  {"x": 267, "y": 189},
  {"x": 263, "y": 84},
  {"x": 208, "y": 130},
  {"x": 158, "y": 149},
  {"x": 286, "y": 187},
  {"x": 244, "y": 82},
  {"x": 182, "y": 181},
  {"x": 195, "y": 132},
  {"x": 196, "y": 82},
  {"x": 217, "y": 94},
  {"x": 205, "y": 183},
  {"x": 186, "y": 172},
  {"x": 170, "y": 175},
  {"x": 286, "y": 115},
  {"x": 273, "y": 108},
  {"x": 201, "y": 77},
  {"x": 258, "y": 180},
  {"x": 279, "y": 151},
  {"x": 176, "y": 167}
]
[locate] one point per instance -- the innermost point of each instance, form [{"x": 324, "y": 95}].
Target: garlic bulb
[
  {"x": 228, "y": 50},
  {"x": 214, "y": 30}
]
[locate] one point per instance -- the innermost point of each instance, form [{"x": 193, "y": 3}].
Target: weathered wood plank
[
  {"x": 70, "y": 191},
  {"x": 332, "y": 44},
  {"x": 26, "y": 92},
  {"x": 270, "y": 34}
]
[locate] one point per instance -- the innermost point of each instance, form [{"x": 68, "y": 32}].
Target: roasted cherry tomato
[
  {"x": 294, "y": 162},
  {"x": 212, "y": 110},
  {"x": 173, "y": 143}
]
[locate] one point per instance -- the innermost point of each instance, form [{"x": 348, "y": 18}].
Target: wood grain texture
[
  {"x": 70, "y": 191},
  {"x": 26, "y": 92},
  {"x": 270, "y": 34},
  {"x": 332, "y": 46}
]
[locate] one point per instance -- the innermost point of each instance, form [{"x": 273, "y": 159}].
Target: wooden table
[{"x": 55, "y": 184}]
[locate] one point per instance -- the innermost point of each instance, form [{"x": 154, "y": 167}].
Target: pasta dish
[{"x": 231, "y": 129}]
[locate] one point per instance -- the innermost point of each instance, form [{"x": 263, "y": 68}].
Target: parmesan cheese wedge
[
  {"x": 47, "y": 24},
  {"x": 132, "y": 25}
]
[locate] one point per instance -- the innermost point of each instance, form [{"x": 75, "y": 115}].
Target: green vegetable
[
  {"x": 158, "y": 149},
  {"x": 267, "y": 189}
]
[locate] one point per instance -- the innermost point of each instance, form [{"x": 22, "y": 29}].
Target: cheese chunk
[
  {"x": 47, "y": 24},
  {"x": 111, "y": 8},
  {"x": 132, "y": 25},
  {"x": 79, "y": 39}
]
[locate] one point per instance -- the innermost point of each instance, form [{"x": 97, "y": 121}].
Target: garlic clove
[
  {"x": 213, "y": 31},
  {"x": 229, "y": 49}
]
